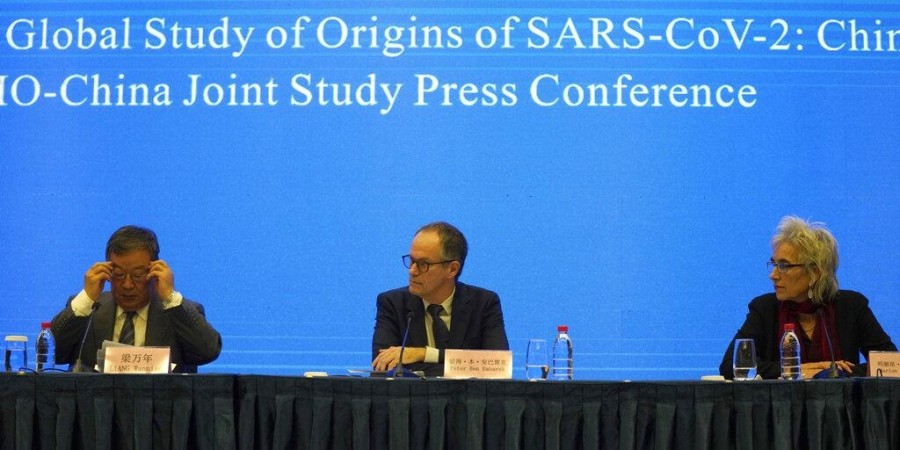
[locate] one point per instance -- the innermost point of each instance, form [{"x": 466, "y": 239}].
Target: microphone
[
  {"x": 78, "y": 366},
  {"x": 833, "y": 371},
  {"x": 399, "y": 371}
]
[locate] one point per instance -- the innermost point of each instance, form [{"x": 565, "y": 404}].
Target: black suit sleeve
[
  {"x": 870, "y": 335},
  {"x": 200, "y": 342},
  {"x": 758, "y": 326},
  {"x": 493, "y": 333},
  {"x": 388, "y": 325},
  {"x": 68, "y": 330}
]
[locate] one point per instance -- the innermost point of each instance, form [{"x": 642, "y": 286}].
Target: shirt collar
[
  {"x": 142, "y": 313},
  {"x": 447, "y": 304}
]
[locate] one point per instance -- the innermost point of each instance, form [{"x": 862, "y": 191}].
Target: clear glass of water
[
  {"x": 744, "y": 359},
  {"x": 537, "y": 360},
  {"x": 15, "y": 357}
]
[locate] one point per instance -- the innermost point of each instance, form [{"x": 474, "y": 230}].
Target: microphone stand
[
  {"x": 399, "y": 371},
  {"x": 832, "y": 370},
  {"x": 79, "y": 367}
]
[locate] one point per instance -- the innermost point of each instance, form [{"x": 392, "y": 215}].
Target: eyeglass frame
[
  {"x": 782, "y": 266},
  {"x": 120, "y": 277},
  {"x": 419, "y": 263}
]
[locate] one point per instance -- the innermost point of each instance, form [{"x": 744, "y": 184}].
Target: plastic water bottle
[
  {"x": 790, "y": 354},
  {"x": 562, "y": 355},
  {"x": 45, "y": 349}
]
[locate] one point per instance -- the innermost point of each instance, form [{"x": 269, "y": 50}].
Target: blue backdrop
[{"x": 641, "y": 223}]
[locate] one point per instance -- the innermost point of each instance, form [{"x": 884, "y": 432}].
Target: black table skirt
[
  {"x": 262, "y": 412},
  {"x": 89, "y": 411}
]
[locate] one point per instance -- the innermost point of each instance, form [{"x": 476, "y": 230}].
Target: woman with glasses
[{"x": 803, "y": 272}]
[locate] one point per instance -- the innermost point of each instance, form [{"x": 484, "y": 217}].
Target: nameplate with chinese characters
[
  {"x": 494, "y": 364},
  {"x": 136, "y": 360},
  {"x": 884, "y": 364}
]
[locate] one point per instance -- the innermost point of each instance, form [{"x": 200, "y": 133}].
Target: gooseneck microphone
[
  {"x": 399, "y": 371},
  {"x": 78, "y": 365},
  {"x": 832, "y": 370}
]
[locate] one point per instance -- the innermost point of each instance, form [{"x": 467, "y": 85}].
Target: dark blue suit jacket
[
  {"x": 184, "y": 329},
  {"x": 476, "y": 323}
]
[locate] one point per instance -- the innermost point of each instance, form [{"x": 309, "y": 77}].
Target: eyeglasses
[
  {"x": 135, "y": 277},
  {"x": 423, "y": 266},
  {"x": 782, "y": 266}
]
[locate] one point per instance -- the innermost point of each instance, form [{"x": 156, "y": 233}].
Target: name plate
[
  {"x": 136, "y": 360},
  {"x": 884, "y": 364},
  {"x": 493, "y": 364}
]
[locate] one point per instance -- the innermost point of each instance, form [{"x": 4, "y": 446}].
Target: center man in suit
[
  {"x": 142, "y": 308},
  {"x": 442, "y": 312}
]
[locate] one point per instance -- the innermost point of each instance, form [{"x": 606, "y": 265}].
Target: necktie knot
[{"x": 435, "y": 311}]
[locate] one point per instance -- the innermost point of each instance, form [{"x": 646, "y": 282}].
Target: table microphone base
[
  {"x": 402, "y": 372},
  {"x": 829, "y": 374}
]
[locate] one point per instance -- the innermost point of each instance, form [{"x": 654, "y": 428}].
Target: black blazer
[
  {"x": 184, "y": 329},
  {"x": 857, "y": 331},
  {"x": 476, "y": 323}
]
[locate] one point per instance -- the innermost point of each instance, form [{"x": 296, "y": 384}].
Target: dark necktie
[
  {"x": 438, "y": 327},
  {"x": 127, "y": 334}
]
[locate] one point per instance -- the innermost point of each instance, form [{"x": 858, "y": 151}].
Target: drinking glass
[
  {"x": 537, "y": 360},
  {"x": 15, "y": 357},
  {"x": 744, "y": 360}
]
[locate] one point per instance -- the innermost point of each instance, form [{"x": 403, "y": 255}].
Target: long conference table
[{"x": 207, "y": 411}]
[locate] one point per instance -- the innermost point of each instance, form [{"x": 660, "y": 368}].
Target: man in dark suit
[
  {"x": 142, "y": 308},
  {"x": 442, "y": 312}
]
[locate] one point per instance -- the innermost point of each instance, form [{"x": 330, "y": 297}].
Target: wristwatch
[{"x": 166, "y": 301}]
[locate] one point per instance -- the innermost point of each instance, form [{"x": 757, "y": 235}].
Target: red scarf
[{"x": 817, "y": 349}]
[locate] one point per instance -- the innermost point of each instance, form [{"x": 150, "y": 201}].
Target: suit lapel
[
  {"x": 459, "y": 319},
  {"x": 153, "y": 334},
  {"x": 104, "y": 320},
  {"x": 417, "y": 335}
]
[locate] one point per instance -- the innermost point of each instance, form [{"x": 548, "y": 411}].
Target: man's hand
[
  {"x": 388, "y": 358},
  {"x": 95, "y": 279},
  {"x": 165, "y": 279}
]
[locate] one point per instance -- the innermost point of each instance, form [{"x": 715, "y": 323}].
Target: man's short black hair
[{"x": 132, "y": 238}]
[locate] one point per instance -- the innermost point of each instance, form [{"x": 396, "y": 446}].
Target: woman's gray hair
[{"x": 816, "y": 248}]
